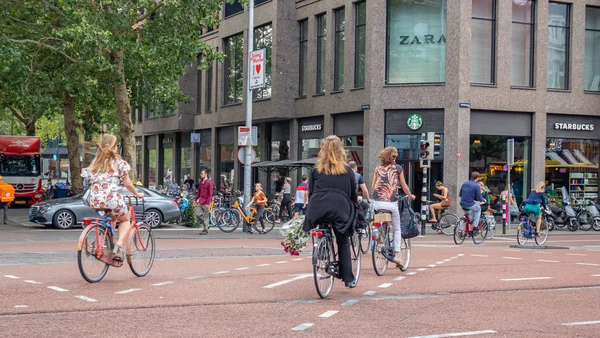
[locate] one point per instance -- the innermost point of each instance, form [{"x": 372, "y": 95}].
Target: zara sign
[{"x": 574, "y": 126}]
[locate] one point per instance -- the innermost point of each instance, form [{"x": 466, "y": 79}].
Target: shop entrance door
[{"x": 413, "y": 174}]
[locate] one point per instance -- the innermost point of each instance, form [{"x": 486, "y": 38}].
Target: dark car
[{"x": 64, "y": 213}]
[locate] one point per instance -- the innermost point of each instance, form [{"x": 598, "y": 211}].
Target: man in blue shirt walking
[{"x": 470, "y": 196}]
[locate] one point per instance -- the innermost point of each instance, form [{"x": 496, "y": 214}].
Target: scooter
[
  {"x": 571, "y": 215},
  {"x": 594, "y": 214},
  {"x": 555, "y": 217}
]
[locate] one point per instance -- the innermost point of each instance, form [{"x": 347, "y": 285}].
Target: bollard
[
  {"x": 504, "y": 216},
  {"x": 424, "y": 203}
]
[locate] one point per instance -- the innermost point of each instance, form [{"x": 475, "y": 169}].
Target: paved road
[{"x": 238, "y": 285}]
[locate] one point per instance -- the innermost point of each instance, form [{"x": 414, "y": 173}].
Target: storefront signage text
[
  {"x": 574, "y": 126},
  {"x": 427, "y": 38},
  {"x": 312, "y": 127}
]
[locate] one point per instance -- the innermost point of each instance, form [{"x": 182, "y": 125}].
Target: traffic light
[{"x": 424, "y": 151}]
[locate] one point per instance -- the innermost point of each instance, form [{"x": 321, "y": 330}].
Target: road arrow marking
[{"x": 297, "y": 277}]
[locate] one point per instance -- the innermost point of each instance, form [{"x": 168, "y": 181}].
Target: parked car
[{"x": 64, "y": 213}]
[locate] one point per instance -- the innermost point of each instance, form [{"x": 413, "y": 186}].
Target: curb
[{"x": 540, "y": 247}]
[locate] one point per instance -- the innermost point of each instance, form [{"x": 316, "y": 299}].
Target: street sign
[
  {"x": 510, "y": 151},
  {"x": 365, "y": 107},
  {"x": 241, "y": 155},
  {"x": 257, "y": 65},
  {"x": 195, "y": 137},
  {"x": 248, "y": 136},
  {"x": 464, "y": 105}
]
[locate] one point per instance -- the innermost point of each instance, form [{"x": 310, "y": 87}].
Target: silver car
[{"x": 64, "y": 213}]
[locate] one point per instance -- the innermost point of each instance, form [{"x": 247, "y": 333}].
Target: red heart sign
[{"x": 258, "y": 69}]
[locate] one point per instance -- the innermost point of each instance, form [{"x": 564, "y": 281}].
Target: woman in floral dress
[{"x": 105, "y": 176}]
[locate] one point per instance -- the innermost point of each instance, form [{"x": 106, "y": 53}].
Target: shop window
[
  {"x": 234, "y": 69},
  {"x": 309, "y": 148},
  {"x": 233, "y": 7},
  {"x": 204, "y": 162},
  {"x": 340, "y": 37},
  {"x": 280, "y": 150},
  {"x": 488, "y": 157},
  {"x": 572, "y": 163},
  {"x": 303, "y": 72},
  {"x": 559, "y": 22},
  {"x": 354, "y": 145},
  {"x": 263, "y": 38},
  {"x": 258, "y": 2},
  {"x": 483, "y": 41},
  {"x": 523, "y": 33},
  {"x": 226, "y": 172},
  {"x": 360, "y": 33},
  {"x": 592, "y": 49},
  {"x": 416, "y": 45},
  {"x": 185, "y": 166},
  {"x": 321, "y": 52}
]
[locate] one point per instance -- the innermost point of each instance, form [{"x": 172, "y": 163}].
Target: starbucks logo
[{"x": 414, "y": 122}]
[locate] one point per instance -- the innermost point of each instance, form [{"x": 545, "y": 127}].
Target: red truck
[{"x": 20, "y": 165}]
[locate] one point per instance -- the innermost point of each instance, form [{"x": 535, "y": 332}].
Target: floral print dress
[
  {"x": 386, "y": 183},
  {"x": 105, "y": 188}
]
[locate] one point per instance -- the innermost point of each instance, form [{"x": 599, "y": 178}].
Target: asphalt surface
[{"x": 239, "y": 285}]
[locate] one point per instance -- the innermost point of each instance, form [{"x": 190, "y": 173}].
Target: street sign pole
[{"x": 248, "y": 161}]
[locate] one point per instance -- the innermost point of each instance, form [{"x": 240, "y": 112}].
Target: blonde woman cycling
[
  {"x": 105, "y": 175},
  {"x": 388, "y": 176},
  {"x": 532, "y": 204}
]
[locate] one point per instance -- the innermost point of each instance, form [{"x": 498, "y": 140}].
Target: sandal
[{"x": 117, "y": 254}]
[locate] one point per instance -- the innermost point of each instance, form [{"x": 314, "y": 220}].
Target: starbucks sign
[{"x": 414, "y": 122}]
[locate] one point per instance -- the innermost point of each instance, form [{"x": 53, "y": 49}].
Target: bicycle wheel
[
  {"x": 380, "y": 263},
  {"x": 521, "y": 239},
  {"x": 269, "y": 219},
  {"x": 447, "y": 223},
  {"x": 480, "y": 232},
  {"x": 491, "y": 230},
  {"x": 141, "y": 250},
  {"x": 405, "y": 254},
  {"x": 322, "y": 260},
  {"x": 355, "y": 255},
  {"x": 543, "y": 234},
  {"x": 459, "y": 232},
  {"x": 230, "y": 220},
  {"x": 365, "y": 239},
  {"x": 596, "y": 224},
  {"x": 91, "y": 268}
]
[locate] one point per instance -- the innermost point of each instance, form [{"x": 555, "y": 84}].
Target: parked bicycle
[{"x": 96, "y": 243}]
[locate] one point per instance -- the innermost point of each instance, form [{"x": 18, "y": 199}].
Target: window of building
[
  {"x": 263, "y": 38},
  {"x": 209, "y": 86},
  {"x": 258, "y": 2},
  {"x": 321, "y": 52},
  {"x": 338, "y": 67},
  {"x": 232, "y": 8},
  {"x": 360, "y": 31},
  {"x": 416, "y": 42},
  {"x": 523, "y": 32},
  {"x": 303, "y": 78},
  {"x": 234, "y": 69},
  {"x": 483, "y": 41},
  {"x": 592, "y": 49},
  {"x": 559, "y": 22},
  {"x": 199, "y": 89}
]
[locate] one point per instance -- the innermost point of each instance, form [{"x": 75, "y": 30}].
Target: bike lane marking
[
  {"x": 457, "y": 334},
  {"x": 163, "y": 283},
  {"x": 350, "y": 302},
  {"x": 220, "y": 272},
  {"x": 302, "y": 327},
  {"x": 263, "y": 264},
  {"x": 280, "y": 262},
  {"x": 515, "y": 258},
  {"x": 192, "y": 277},
  {"x": 244, "y": 268},
  {"x": 328, "y": 313},
  {"x": 523, "y": 279},
  {"x": 21, "y": 306},
  {"x": 126, "y": 291},
  {"x": 12, "y": 277},
  {"x": 581, "y": 323},
  {"x": 476, "y": 255},
  {"x": 87, "y": 299},
  {"x": 56, "y": 288},
  {"x": 32, "y": 282},
  {"x": 385, "y": 285},
  {"x": 588, "y": 264},
  {"x": 576, "y": 254},
  {"x": 370, "y": 293},
  {"x": 547, "y": 261},
  {"x": 283, "y": 282}
]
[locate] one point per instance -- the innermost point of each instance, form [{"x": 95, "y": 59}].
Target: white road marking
[
  {"x": 56, "y": 288},
  {"x": 595, "y": 275},
  {"x": 572, "y": 254},
  {"x": 328, "y": 314},
  {"x": 504, "y": 239},
  {"x": 438, "y": 263},
  {"x": 588, "y": 264},
  {"x": 457, "y": 334},
  {"x": 476, "y": 255},
  {"x": 511, "y": 250},
  {"x": 422, "y": 269},
  {"x": 460, "y": 255},
  {"x": 512, "y": 258},
  {"x": 302, "y": 327},
  {"x": 298, "y": 277},
  {"x": 522, "y": 279},
  {"x": 126, "y": 291},
  {"x": 447, "y": 260},
  {"x": 11, "y": 277},
  {"x": 400, "y": 278},
  {"x": 21, "y": 306},
  {"x": 581, "y": 323},
  {"x": 431, "y": 265},
  {"x": 385, "y": 285},
  {"x": 193, "y": 277},
  {"x": 31, "y": 282},
  {"x": 370, "y": 293},
  {"x": 297, "y": 259},
  {"x": 411, "y": 273},
  {"x": 263, "y": 264},
  {"x": 281, "y": 262},
  {"x": 220, "y": 272},
  {"x": 547, "y": 261},
  {"x": 87, "y": 299},
  {"x": 163, "y": 283},
  {"x": 244, "y": 268},
  {"x": 544, "y": 253},
  {"x": 350, "y": 302}
]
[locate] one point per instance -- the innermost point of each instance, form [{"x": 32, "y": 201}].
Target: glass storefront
[
  {"x": 354, "y": 146},
  {"x": 573, "y": 164},
  {"x": 138, "y": 158},
  {"x": 226, "y": 172},
  {"x": 280, "y": 150},
  {"x": 309, "y": 148},
  {"x": 167, "y": 160},
  {"x": 416, "y": 46},
  {"x": 488, "y": 157}
]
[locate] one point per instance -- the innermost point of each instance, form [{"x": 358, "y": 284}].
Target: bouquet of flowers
[{"x": 294, "y": 237}]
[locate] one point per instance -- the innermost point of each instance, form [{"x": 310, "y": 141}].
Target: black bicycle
[{"x": 325, "y": 259}]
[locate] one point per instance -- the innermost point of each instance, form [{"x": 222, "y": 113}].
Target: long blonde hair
[
  {"x": 106, "y": 154},
  {"x": 331, "y": 156},
  {"x": 540, "y": 187}
]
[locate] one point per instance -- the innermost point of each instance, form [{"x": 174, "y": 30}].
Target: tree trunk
[
  {"x": 124, "y": 111},
  {"x": 31, "y": 127},
  {"x": 71, "y": 128},
  {"x": 88, "y": 142}
]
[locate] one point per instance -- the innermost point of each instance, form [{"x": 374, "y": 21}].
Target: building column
[
  {"x": 456, "y": 150},
  {"x": 264, "y": 143},
  {"x": 145, "y": 161},
  {"x": 215, "y": 174},
  {"x": 327, "y": 124},
  {"x": 160, "y": 160},
  {"x": 538, "y": 149},
  {"x": 374, "y": 134},
  {"x": 177, "y": 157}
]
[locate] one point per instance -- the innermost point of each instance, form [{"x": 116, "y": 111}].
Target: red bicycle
[
  {"x": 465, "y": 228},
  {"x": 96, "y": 243}
]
